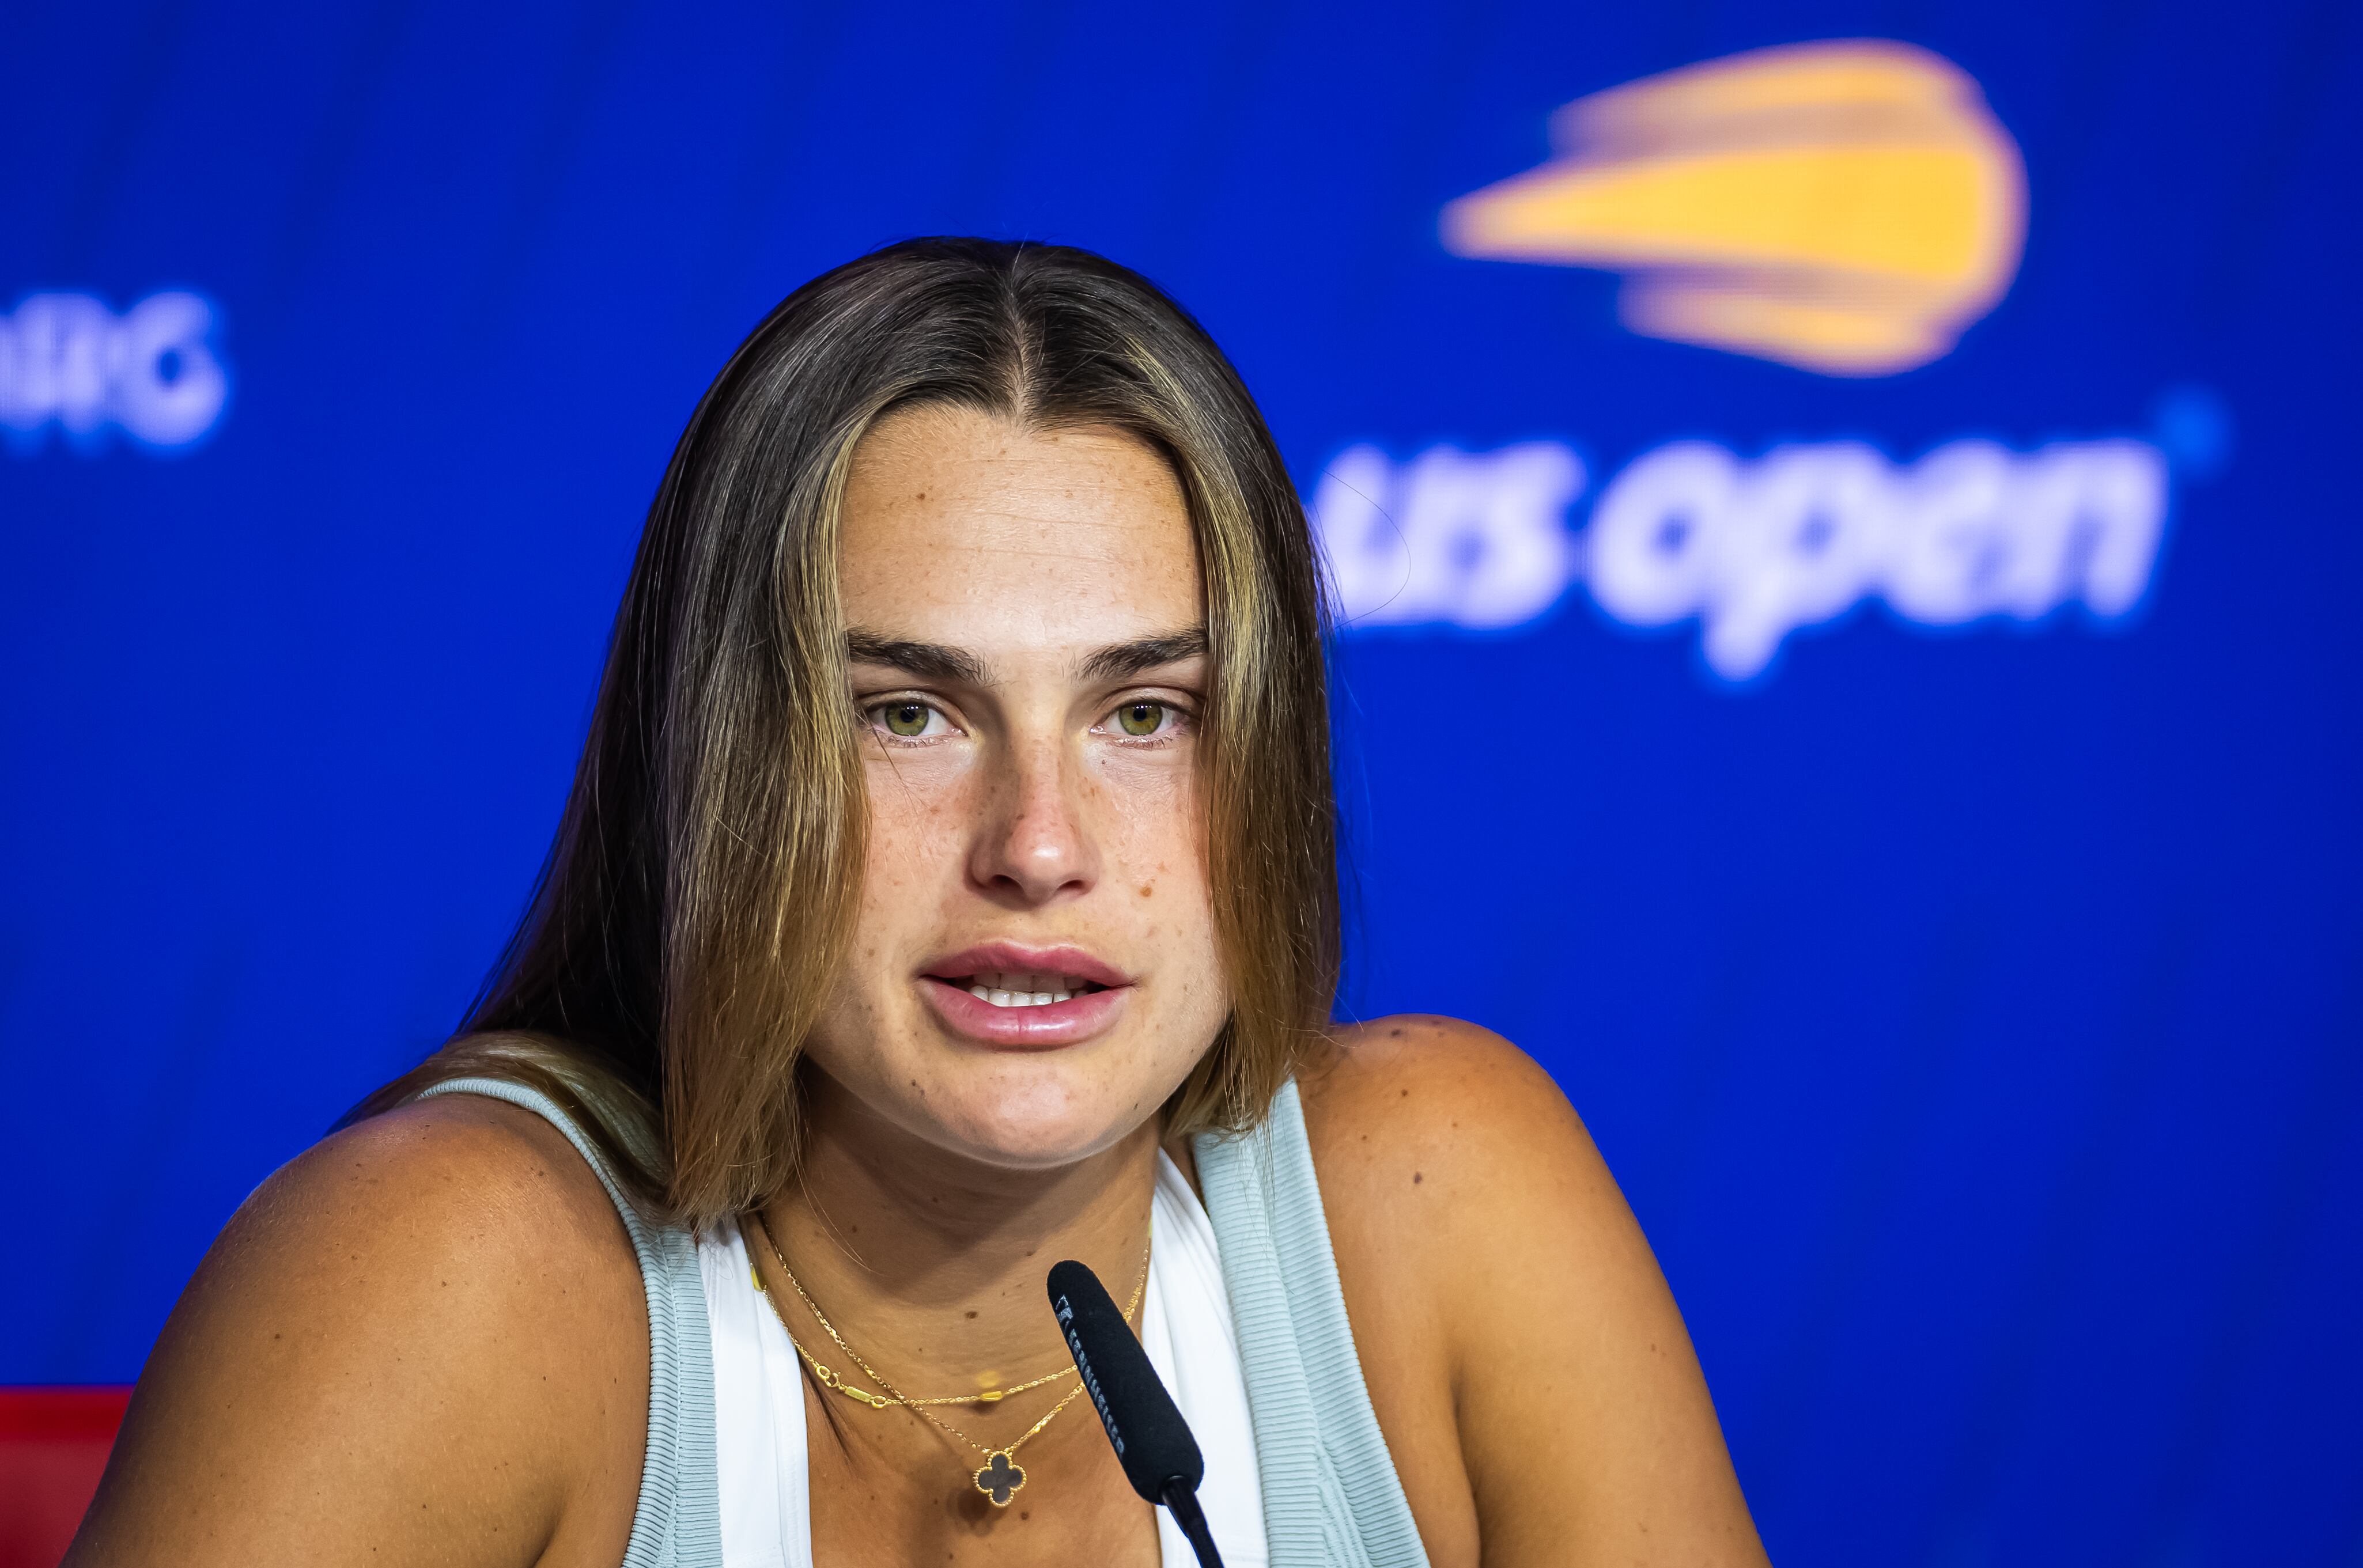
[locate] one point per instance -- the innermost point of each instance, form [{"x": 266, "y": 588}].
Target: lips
[{"x": 1013, "y": 996}]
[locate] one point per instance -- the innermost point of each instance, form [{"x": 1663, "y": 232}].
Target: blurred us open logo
[
  {"x": 1848, "y": 207},
  {"x": 69, "y": 363},
  {"x": 1754, "y": 548}
]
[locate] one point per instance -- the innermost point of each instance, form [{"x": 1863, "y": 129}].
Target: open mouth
[
  {"x": 1022, "y": 988},
  {"x": 1011, "y": 996}
]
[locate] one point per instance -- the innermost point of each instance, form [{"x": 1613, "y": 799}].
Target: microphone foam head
[{"x": 1151, "y": 1440}]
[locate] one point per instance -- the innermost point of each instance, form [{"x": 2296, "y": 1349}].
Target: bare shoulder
[
  {"x": 1429, "y": 1132},
  {"x": 434, "y": 1318},
  {"x": 1528, "y": 1366},
  {"x": 1417, "y": 1079},
  {"x": 1409, "y": 1114}
]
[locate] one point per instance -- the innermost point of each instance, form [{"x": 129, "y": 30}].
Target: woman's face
[{"x": 1027, "y": 641}]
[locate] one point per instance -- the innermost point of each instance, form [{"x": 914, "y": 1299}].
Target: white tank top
[{"x": 1185, "y": 1325}]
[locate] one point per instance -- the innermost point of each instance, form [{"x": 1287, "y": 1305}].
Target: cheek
[
  {"x": 916, "y": 843},
  {"x": 1159, "y": 875}
]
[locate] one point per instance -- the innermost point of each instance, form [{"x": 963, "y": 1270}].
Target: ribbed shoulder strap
[
  {"x": 678, "y": 1521},
  {"x": 1331, "y": 1497}
]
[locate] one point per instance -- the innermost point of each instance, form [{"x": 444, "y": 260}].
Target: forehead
[{"x": 965, "y": 528}]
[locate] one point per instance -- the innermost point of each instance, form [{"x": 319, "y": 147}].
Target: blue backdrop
[{"x": 1944, "y": 902}]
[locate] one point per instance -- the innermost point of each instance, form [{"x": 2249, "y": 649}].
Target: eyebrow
[
  {"x": 929, "y": 662},
  {"x": 1122, "y": 661},
  {"x": 939, "y": 661}
]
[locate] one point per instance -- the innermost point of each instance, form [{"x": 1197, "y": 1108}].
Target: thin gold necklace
[
  {"x": 831, "y": 1378},
  {"x": 1000, "y": 1477}
]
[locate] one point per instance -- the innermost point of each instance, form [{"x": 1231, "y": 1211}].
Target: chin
[{"x": 1040, "y": 1116}]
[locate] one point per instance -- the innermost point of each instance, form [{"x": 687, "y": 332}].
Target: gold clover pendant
[{"x": 1000, "y": 1479}]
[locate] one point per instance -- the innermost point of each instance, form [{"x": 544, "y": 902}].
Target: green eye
[
  {"x": 906, "y": 718},
  {"x": 1141, "y": 718}
]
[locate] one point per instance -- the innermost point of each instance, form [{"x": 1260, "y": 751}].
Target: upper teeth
[{"x": 1012, "y": 987}]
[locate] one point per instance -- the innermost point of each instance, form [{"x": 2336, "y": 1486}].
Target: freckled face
[{"x": 1026, "y": 623}]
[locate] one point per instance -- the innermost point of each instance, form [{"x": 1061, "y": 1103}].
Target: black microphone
[{"x": 1152, "y": 1442}]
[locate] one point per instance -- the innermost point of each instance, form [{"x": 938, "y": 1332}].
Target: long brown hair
[{"x": 696, "y": 899}]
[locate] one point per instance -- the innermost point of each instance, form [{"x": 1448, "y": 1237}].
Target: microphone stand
[{"x": 1180, "y": 1500}]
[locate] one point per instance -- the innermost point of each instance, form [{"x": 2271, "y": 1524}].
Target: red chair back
[{"x": 53, "y": 1444}]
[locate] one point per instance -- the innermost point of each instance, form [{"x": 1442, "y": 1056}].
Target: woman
[{"x": 947, "y": 889}]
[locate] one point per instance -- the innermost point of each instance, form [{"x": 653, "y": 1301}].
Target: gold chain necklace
[{"x": 1000, "y": 1477}]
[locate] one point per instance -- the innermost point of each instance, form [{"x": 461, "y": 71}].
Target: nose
[{"x": 1033, "y": 846}]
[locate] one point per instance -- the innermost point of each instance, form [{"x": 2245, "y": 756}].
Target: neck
[{"x": 931, "y": 1265}]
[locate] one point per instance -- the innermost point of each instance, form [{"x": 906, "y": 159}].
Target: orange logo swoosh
[{"x": 1848, "y": 208}]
